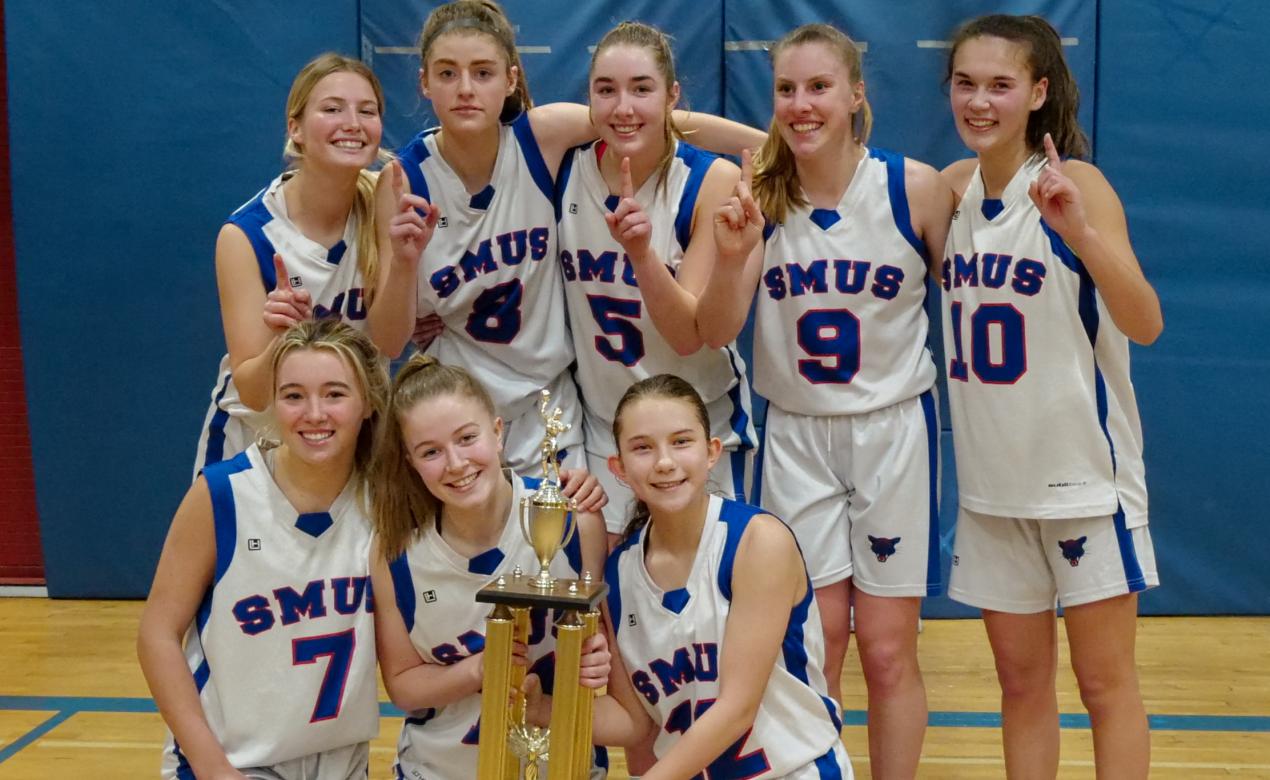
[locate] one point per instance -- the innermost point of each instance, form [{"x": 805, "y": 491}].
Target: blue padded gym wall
[{"x": 136, "y": 129}]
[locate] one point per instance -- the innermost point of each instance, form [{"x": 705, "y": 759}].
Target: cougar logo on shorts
[
  {"x": 1073, "y": 549},
  {"x": 882, "y": 547}
]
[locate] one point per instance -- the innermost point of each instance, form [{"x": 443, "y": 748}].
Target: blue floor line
[
  {"x": 11, "y": 749},
  {"x": 67, "y": 706}
]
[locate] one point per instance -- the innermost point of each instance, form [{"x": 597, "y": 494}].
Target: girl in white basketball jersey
[
  {"x": 636, "y": 248},
  {"x": 476, "y": 199},
  {"x": 309, "y": 236},
  {"x": 1042, "y": 292},
  {"x": 265, "y": 573},
  {"x": 851, "y": 446},
  {"x": 719, "y": 653},
  {"x": 447, "y": 520}
]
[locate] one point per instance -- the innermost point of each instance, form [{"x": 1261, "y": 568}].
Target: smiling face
[
  {"x": 340, "y": 124},
  {"x": 664, "y": 453},
  {"x": 631, "y": 100},
  {"x": 992, "y": 94},
  {"x": 467, "y": 78},
  {"x": 815, "y": 97},
  {"x": 454, "y": 444},
  {"x": 319, "y": 406}
]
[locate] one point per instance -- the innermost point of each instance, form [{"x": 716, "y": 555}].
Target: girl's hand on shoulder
[
  {"x": 629, "y": 223},
  {"x": 414, "y": 222},
  {"x": 584, "y": 488},
  {"x": 287, "y": 304},
  {"x": 597, "y": 662},
  {"x": 1058, "y": 198},
  {"x": 738, "y": 223}
]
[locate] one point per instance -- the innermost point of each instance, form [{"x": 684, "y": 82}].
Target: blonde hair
[
  {"x": 302, "y": 88},
  {"x": 644, "y": 36},
  {"x": 480, "y": 17},
  {"x": 356, "y": 350},
  {"x": 401, "y": 504},
  {"x": 775, "y": 173}
]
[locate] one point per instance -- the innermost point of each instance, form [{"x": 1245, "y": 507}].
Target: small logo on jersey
[
  {"x": 429, "y": 597},
  {"x": 573, "y": 208},
  {"x": 630, "y": 620},
  {"x": 882, "y": 547},
  {"x": 295, "y": 281},
  {"x": 253, "y": 544},
  {"x": 956, "y": 560},
  {"x": 956, "y": 214},
  {"x": 1073, "y": 549}
]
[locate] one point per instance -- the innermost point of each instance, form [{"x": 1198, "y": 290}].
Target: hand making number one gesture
[
  {"x": 1057, "y": 197},
  {"x": 738, "y": 223},
  {"x": 411, "y": 227},
  {"x": 629, "y": 223},
  {"x": 289, "y": 302}
]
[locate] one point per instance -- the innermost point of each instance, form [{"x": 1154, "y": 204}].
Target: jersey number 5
[
  {"x": 614, "y": 317},
  {"x": 339, "y": 649},
  {"x": 1011, "y": 347}
]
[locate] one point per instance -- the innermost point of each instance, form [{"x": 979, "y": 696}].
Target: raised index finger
[
  {"x": 281, "y": 279},
  {"x": 397, "y": 174},
  {"x": 1051, "y": 152},
  {"x": 628, "y": 189},
  {"x": 747, "y": 174}
]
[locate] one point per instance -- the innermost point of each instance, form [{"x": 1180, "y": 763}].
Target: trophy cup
[{"x": 506, "y": 740}]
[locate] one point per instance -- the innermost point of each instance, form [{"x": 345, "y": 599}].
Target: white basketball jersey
[
  {"x": 840, "y": 322},
  {"x": 615, "y": 343},
  {"x": 1045, "y": 424},
  {"x": 330, "y": 275},
  {"x": 435, "y": 590},
  {"x": 671, "y": 644},
  {"x": 489, "y": 270},
  {"x": 282, "y": 648}
]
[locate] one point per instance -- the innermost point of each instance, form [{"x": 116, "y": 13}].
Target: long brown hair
[
  {"x": 480, "y": 17},
  {"x": 658, "y": 386},
  {"x": 356, "y": 350},
  {"x": 402, "y": 505},
  {"x": 644, "y": 36},
  {"x": 775, "y": 172},
  {"x": 1043, "y": 49},
  {"x": 302, "y": 87}
]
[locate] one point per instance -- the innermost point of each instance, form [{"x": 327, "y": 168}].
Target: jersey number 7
[{"x": 339, "y": 649}]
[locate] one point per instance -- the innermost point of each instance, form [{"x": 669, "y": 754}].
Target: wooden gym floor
[{"x": 73, "y": 703}]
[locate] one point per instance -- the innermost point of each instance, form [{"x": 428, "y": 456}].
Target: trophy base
[{"x": 563, "y": 594}]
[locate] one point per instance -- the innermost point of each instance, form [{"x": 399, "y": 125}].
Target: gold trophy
[{"x": 510, "y": 748}]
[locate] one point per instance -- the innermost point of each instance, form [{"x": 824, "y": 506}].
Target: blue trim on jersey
[
  {"x": 336, "y": 253},
  {"x": 899, "y": 197},
  {"x": 314, "y": 523},
  {"x": 573, "y": 550},
  {"x": 675, "y": 600},
  {"x": 224, "y": 512},
  {"x": 825, "y": 218},
  {"x": 411, "y": 157},
  {"x": 756, "y": 490},
  {"x": 481, "y": 200},
  {"x": 251, "y": 218},
  {"x": 930, "y": 412},
  {"x": 736, "y": 517},
  {"x": 611, "y": 203},
  {"x": 215, "y": 451},
  {"x": 562, "y": 180},
  {"x": 487, "y": 562},
  {"x": 740, "y": 395},
  {"x": 614, "y": 581},
  {"x": 533, "y": 155},
  {"x": 991, "y": 207},
  {"x": 827, "y": 765},
  {"x": 1133, "y": 575},
  {"x": 769, "y": 228},
  {"x": 404, "y": 586},
  {"x": 698, "y": 163}
]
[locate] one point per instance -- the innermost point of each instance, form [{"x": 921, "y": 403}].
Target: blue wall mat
[
  {"x": 904, "y": 60},
  {"x": 1181, "y": 131},
  {"x": 553, "y": 36},
  {"x": 136, "y": 128}
]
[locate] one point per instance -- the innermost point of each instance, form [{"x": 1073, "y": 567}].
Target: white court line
[
  {"x": 767, "y": 45},
  {"x": 24, "y": 591},
  {"x": 88, "y": 744},
  {"x": 414, "y": 50},
  {"x": 929, "y": 44}
]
